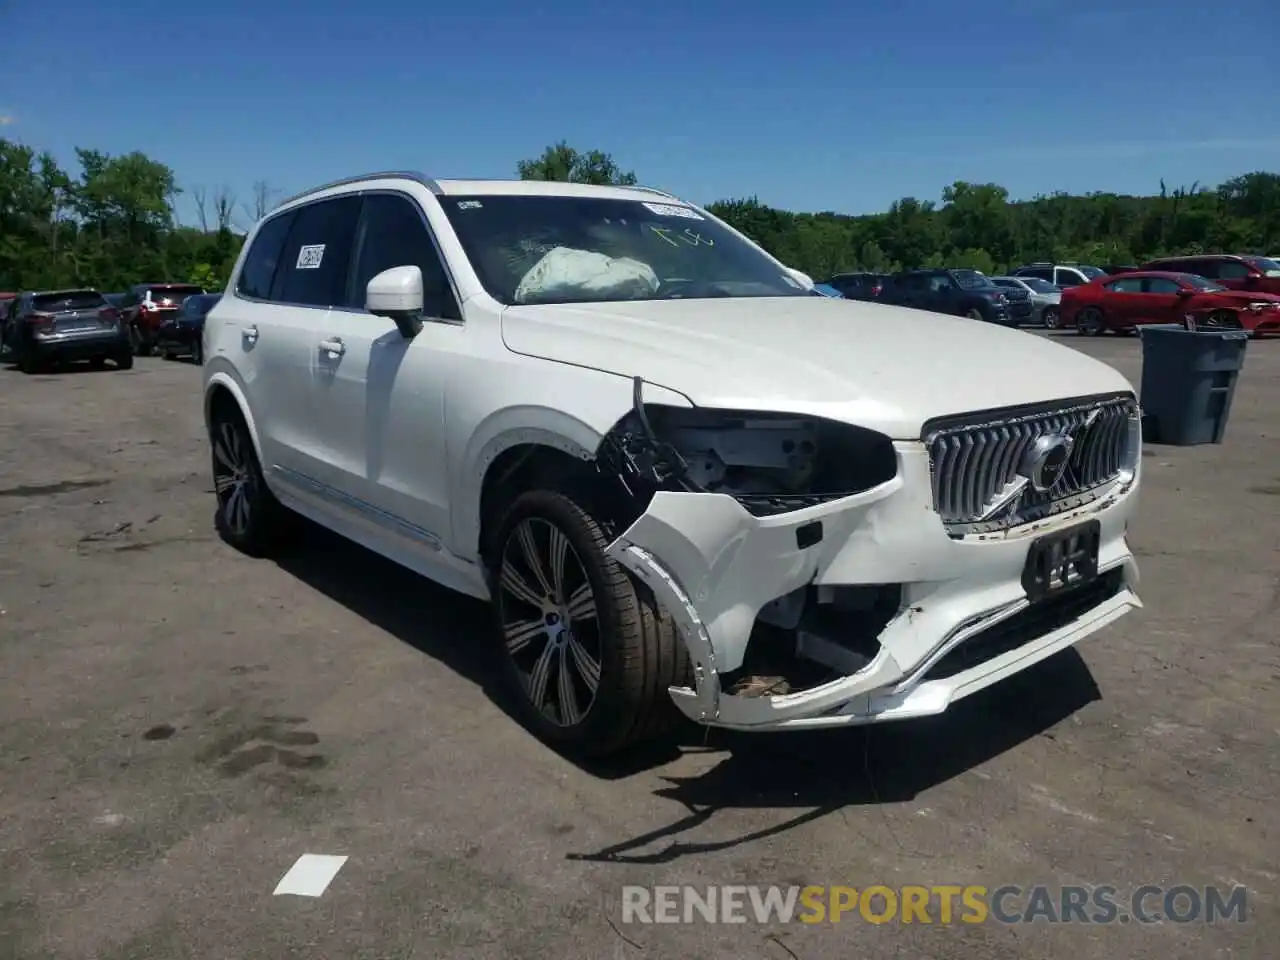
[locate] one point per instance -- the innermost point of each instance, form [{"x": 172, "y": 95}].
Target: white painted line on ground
[{"x": 310, "y": 876}]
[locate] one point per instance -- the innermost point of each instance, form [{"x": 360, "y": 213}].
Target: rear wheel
[
  {"x": 1052, "y": 318},
  {"x": 248, "y": 517},
  {"x": 124, "y": 360},
  {"x": 975, "y": 314},
  {"x": 588, "y": 652},
  {"x": 197, "y": 351},
  {"x": 97, "y": 363},
  {"x": 1089, "y": 322}
]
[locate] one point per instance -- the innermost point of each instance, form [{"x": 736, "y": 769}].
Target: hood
[{"x": 883, "y": 367}]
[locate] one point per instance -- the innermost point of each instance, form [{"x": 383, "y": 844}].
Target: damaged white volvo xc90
[{"x": 683, "y": 479}]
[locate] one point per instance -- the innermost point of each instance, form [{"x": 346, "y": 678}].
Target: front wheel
[
  {"x": 975, "y": 314},
  {"x": 1052, "y": 318},
  {"x": 588, "y": 652},
  {"x": 1222, "y": 320},
  {"x": 1089, "y": 322}
]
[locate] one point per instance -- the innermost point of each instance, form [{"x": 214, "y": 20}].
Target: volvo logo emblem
[{"x": 1046, "y": 461}]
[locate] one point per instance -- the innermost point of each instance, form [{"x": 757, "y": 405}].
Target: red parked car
[
  {"x": 148, "y": 305},
  {"x": 1122, "y": 303},
  {"x": 1251, "y": 273}
]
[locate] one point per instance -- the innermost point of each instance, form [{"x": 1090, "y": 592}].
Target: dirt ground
[{"x": 178, "y": 724}]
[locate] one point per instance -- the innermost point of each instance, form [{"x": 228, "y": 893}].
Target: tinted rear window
[
  {"x": 173, "y": 294},
  {"x": 73, "y": 300}
]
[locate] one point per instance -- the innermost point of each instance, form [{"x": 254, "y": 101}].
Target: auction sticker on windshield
[
  {"x": 309, "y": 256},
  {"x": 672, "y": 210}
]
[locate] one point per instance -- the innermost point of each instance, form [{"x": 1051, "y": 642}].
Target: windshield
[
  {"x": 1268, "y": 266},
  {"x": 971, "y": 279},
  {"x": 67, "y": 300},
  {"x": 1092, "y": 273},
  {"x": 1039, "y": 286},
  {"x": 1200, "y": 283},
  {"x": 530, "y": 249}
]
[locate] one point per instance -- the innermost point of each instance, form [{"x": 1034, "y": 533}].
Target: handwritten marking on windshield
[{"x": 690, "y": 237}]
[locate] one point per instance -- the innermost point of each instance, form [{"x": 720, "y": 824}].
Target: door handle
[
  {"x": 334, "y": 347},
  {"x": 250, "y": 335}
]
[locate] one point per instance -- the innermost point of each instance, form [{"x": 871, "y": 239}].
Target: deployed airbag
[{"x": 567, "y": 273}]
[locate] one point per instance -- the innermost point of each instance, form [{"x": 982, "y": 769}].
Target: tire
[
  {"x": 1222, "y": 320},
  {"x": 1052, "y": 318},
  {"x": 124, "y": 360},
  {"x": 141, "y": 347},
  {"x": 97, "y": 363},
  {"x": 248, "y": 516},
  {"x": 975, "y": 314},
  {"x": 621, "y": 636},
  {"x": 1089, "y": 322},
  {"x": 197, "y": 352}
]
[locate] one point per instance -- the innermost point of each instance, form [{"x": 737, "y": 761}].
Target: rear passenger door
[
  {"x": 380, "y": 396},
  {"x": 289, "y": 335}
]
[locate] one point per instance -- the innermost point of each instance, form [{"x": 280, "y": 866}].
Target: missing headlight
[{"x": 770, "y": 462}]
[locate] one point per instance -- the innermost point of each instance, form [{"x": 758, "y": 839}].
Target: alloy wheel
[
  {"x": 550, "y": 628},
  {"x": 233, "y": 477}
]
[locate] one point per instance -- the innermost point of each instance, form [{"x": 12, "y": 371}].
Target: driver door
[{"x": 381, "y": 396}]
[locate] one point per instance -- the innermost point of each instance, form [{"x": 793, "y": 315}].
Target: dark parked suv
[
  {"x": 962, "y": 293},
  {"x": 859, "y": 286},
  {"x": 60, "y": 326},
  {"x": 184, "y": 332}
]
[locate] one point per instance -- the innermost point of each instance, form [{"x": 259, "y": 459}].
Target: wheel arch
[
  {"x": 222, "y": 388},
  {"x": 522, "y": 447}
]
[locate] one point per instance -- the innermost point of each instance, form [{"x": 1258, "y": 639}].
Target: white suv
[{"x": 679, "y": 475}]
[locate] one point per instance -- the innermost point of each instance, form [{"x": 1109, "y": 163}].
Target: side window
[
  {"x": 1127, "y": 285},
  {"x": 393, "y": 233},
  {"x": 1199, "y": 268},
  {"x": 317, "y": 256},
  {"x": 1160, "y": 285},
  {"x": 1231, "y": 270},
  {"x": 1068, "y": 278},
  {"x": 940, "y": 283},
  {"x": 1042, "y": 273},
  {"x": 260, "y": 263}
]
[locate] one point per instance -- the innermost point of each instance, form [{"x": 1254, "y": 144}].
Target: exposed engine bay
[{"x": 772, "y": 463}]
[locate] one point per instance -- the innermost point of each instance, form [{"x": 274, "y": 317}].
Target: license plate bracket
[{"x": 1062, "y": 561}]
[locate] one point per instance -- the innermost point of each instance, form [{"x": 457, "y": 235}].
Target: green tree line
[{"x": 111, "y": 223}]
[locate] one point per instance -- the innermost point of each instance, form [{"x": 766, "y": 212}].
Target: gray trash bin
[{"x": 1188, "y": 381}]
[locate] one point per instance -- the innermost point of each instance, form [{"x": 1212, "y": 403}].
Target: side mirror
[
  {"x": 1185, "y": 292},
  {"x": 801, "y": 278},
  {"x": 397, "y": 293},
  {"x": 1252, "y": 280}
]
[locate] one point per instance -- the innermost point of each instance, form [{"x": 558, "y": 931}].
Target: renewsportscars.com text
[{"x": 936, "y": 904}]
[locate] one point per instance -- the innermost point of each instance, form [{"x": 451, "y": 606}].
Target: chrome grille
[{"x": 976, "y": 461}]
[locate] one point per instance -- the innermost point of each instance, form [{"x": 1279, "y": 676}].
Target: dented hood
[{"x": 883, "y": 367}]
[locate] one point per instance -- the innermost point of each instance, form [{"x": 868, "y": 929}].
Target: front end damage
[{"x": 820, "y": 576}]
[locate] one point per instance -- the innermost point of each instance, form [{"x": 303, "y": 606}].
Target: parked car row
[
  {"x": 1240, "y": 292},
  {"x": 40, "y": 329}
]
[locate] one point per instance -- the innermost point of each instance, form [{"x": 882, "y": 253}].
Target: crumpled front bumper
[{"x": 713, "y": 566}]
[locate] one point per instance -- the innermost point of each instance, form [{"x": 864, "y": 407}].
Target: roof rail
[
  {"x": 380, "y": 175},
  {"x": 661, "y": 193}
]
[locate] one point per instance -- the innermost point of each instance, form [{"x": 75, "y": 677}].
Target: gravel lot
[{"x": 178, "y": 724}]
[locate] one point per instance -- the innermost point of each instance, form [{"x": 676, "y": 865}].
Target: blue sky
[{"x": 818, "y": 105}]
